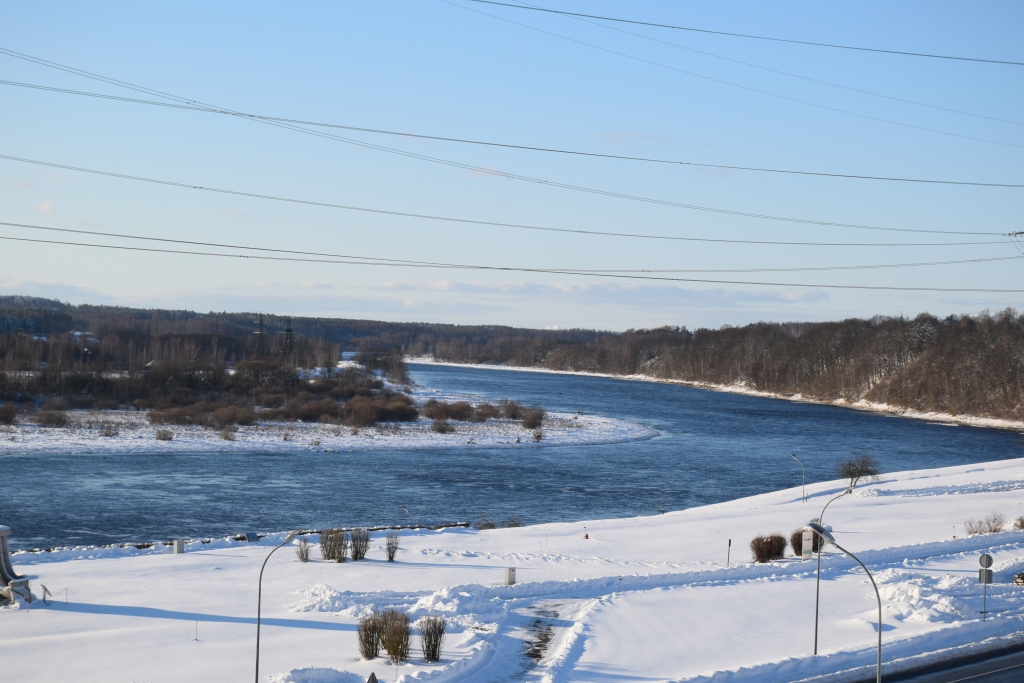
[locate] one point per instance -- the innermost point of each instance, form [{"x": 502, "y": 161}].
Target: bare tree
[
  {"x": 858, "y": 468},
  {"x": 392, "y": 545}
]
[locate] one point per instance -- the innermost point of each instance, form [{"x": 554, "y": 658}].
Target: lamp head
[
  {"x": 291, "y": 537},
  {"x": 825, "y": 535}
]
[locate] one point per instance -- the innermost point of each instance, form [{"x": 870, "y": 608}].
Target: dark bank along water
[{"x": 712, "y": 447}]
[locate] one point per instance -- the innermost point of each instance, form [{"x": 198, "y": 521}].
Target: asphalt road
[{"x": 1005, "y": 669}]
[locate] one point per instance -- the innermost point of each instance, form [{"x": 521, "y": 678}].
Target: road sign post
[{"x": 985, "y": 578}]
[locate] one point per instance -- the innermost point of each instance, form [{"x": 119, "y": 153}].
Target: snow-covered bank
[
  {"x": 740, "y": 388},
  {"x": 647, "y": 598},
  {"x": 110, "y": 431}
]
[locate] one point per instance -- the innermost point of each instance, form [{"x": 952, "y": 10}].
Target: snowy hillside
[{"x": 645, "y": 598}]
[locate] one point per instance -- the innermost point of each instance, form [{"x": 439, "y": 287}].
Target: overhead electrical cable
[
  {"x": 730, "y": 83},
  {"x": 505, "y": 269},
  {"x": 220, "y": 245},
  {"x": 554, "y": 150},
  {"x": 496, "y": 224},
  {"x": 793, "y": 75},
  {"x": 752, "y": 37},
  {"x": 470, "y": 167}
]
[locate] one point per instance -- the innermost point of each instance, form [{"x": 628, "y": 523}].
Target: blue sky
[{"x": 462, "y": 69}]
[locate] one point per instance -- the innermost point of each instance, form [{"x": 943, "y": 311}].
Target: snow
[
  {"x": 646, "y": 598},
  {"x": 123, "y": 431}
]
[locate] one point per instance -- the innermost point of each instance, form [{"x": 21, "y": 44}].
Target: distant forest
[{"x": 966, "y": 365}]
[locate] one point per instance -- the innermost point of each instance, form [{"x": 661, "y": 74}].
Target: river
[{"x": 711, "y": 447}]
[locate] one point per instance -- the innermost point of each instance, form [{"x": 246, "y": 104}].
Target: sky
[{"x": 468, "y": 70}]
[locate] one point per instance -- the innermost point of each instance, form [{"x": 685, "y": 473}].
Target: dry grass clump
[
  {"x": 442, "y": 426},
  {"x": 302, "y": 549},
  {"x": 992, "y": 524},
  {"x": 334, "y": 544},
  {"x": 368, "y": 633},
  {"x": 164, "y": 435},
  {"x": 395, "y": 632},
  {"x": 108, "y": 429},
  {"x": 431, "y": 636},
  {"x": 392, "y": 545},
  {"x": 52, "y": 418},
  {"x": 8, "y": 414},
  {"x": 360, "y": 543},
  {"x": 228, "y": 433},
  {"x": 768, "y": 547}
]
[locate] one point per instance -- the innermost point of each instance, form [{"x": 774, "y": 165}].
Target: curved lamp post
[
  {"x": 803, "y": 477},
  {"x": 828, "y": 538},
  {"x": 259, "y": 600},
  {"x": 817, "y": 580}
]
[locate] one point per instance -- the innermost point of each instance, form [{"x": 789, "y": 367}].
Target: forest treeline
[{"x": 967, "y": 365}]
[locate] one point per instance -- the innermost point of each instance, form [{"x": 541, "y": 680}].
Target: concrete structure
[
  {"x": 510, "y": 576},
  {"x": 11, "y": 583}
]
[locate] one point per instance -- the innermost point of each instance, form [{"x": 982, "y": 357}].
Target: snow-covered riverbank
[
  {"x": 739, "y": 388},
  {"x": 648, "y": 598}
]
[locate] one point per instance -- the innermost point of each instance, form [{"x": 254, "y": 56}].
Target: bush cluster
[
  {"x": 431, "y": 637},
  {"x": 52, "y": 418},
  {"x": 395, "y": 633},
  {"x": 992, "y": 524},
  {"x": 334, "y": 544},
  {"x": 768, "y": 547}
]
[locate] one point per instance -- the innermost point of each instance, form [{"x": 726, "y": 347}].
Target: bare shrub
[
  {"x": 483, "y": 524},
  {"x": 441, "y": 426},
  {"x": 52, "y": 418},
  {"x": 228, "y": 434},
  {"x": 108, "y": 429},
  {"x": 992, "y": 524},
  {"x": 232, "y": 415},
  {"x": 164, "y": 435},
  {"x": 858, "y": 468},
  {"x": 334, "y": 545},
  {"x": 368, "y": 632},
  {"x": 511, "y": 409},
  {"x": 484, "y": 412},
  {"x": 538, "y": 435},
  {"x": 768, "y": 547},
  {"x": 302, "y": 549},
  {"x": 8, "y": 414},
  {"x": 431, "y": 636},
  {"x": 360, "y": 543},
  {"x": 512, "y": 522},
  {"x": 392, "y": 545},
  {"x": 534, "y": 418},
  {"x": 1018, "y": 524},
  {"x": 57, "y": 404},
  {"x": 395, "y": 632},
  {"x": 460, "y": 411},
  {"x": 796, "y": 541}
]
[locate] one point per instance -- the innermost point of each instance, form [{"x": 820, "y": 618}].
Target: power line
[
  {"x": 455, "y": 164},
  {"x": 752, "y": 37},
  {"x": 507, "y": 269},
  {"x": 799, "y": 76},
  {"x": 496, "y": 224},
  {"x": 530, "y": 148},
  {"x": 221, "y": 245},
  {"x": 730, "y": 83}
]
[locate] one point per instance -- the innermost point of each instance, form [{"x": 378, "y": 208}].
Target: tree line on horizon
[{"x": 968, "y": 365}]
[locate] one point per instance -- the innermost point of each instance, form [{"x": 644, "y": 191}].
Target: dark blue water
[{"x": 712, "y": 447}]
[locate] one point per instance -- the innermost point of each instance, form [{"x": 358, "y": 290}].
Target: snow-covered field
[{"x": 642, "y": 599}]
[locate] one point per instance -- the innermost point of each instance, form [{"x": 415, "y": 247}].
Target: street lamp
[
  {"x": 817, "y": 579},
  {"x": 803, "y": 477},
  {"x": 828, "y": 538},
  {"x": 259, "y": 600}
]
